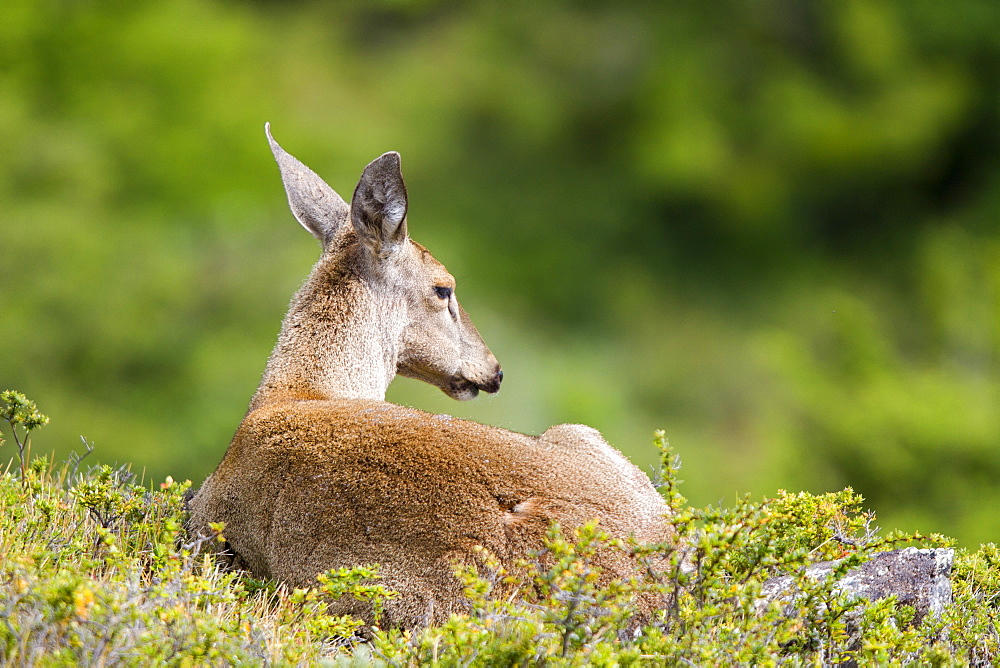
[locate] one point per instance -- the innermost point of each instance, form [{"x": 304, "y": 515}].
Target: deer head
[{"x": 376, "y": 303}]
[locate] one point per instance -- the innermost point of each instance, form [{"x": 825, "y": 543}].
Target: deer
[{"x": 323, "y": 473}]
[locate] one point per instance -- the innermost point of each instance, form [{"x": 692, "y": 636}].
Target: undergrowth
[{"x": 96, "y": 569}]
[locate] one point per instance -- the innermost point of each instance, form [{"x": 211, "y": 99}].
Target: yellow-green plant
[
  {"x": 96, "y": 568},
  {"x": 22, "y": 416}
]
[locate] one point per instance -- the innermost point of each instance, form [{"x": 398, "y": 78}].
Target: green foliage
[
  {"x": 18, "y": 411},
  {"x": 97, "y": 569},
  {"x": 355, "y": 581},
  {"x": 22, "y": 416},
  {"x": 974, "y": 620}
]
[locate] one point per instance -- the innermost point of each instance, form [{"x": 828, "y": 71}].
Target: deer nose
[{"x": 493, "y": 385}]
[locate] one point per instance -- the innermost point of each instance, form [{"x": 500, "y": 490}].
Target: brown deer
[{"x": 324, "y": 473}]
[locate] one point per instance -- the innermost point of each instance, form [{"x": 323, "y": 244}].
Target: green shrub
[{"x": 96, "y": 568}]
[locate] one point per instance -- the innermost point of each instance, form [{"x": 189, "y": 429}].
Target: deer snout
[
  {"x": 493, "y": 384},
  {"x": 469, "y": 385}
]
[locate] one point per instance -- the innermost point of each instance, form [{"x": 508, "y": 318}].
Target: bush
[{"x": 96, "y": 568}]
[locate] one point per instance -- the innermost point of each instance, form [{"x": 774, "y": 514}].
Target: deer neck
[{"x": 338, "y": 341}]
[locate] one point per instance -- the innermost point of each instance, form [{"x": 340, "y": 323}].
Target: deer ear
[
  {"x": 314, "y": 204},
  {"x": 378, "y": 208}
]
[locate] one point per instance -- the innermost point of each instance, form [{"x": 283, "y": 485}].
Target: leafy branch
[{"x": 22, "y": 416}]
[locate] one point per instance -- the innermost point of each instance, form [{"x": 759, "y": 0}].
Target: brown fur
[{"x": 323, "y": 473}]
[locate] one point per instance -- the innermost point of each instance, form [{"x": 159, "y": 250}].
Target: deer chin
[
  {"x": 457, "y": 386},
  {"x": 463, "y": 389}
]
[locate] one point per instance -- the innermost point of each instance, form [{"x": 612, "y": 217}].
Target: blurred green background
[{"x": 771, "y": 229}]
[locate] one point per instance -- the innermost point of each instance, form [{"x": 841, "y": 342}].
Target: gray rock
[{"x": 917, "y": 577}]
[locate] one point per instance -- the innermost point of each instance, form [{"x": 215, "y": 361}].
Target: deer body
[{"x": 323, "y": 473}]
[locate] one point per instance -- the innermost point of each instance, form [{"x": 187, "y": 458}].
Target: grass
[{"x": 96, "y": 569}]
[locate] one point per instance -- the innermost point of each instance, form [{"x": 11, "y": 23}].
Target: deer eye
[{"x": 442, "y": 292}]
